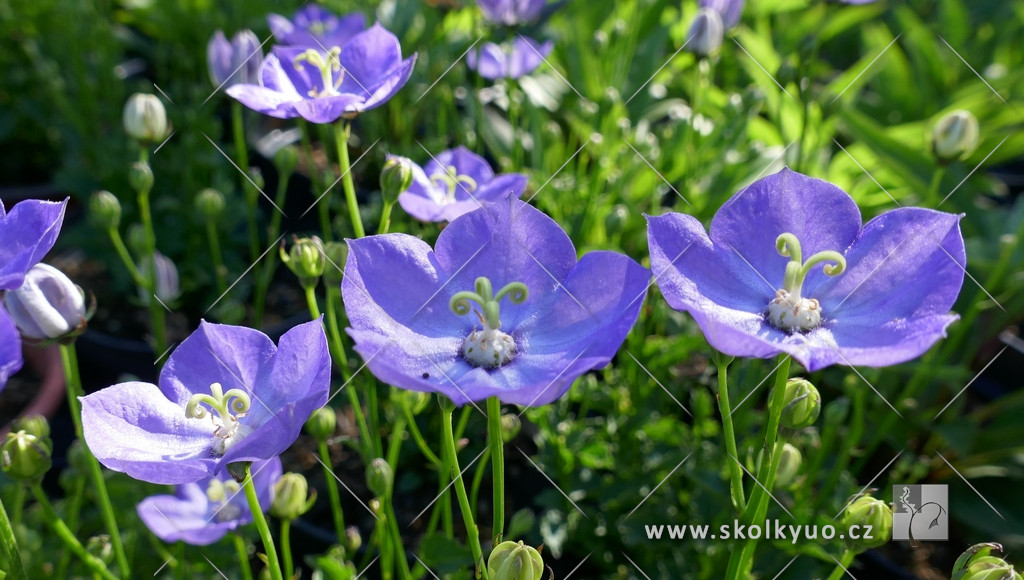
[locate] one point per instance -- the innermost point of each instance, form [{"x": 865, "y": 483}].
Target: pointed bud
[
  {"x": 105, "y": 210},
  {"x": 353, "y": 541},
  {"x": 955, "y": 136},
  {"x": 802, "y": 404},
  {"x": 140, "y": 177},
  {"x": 510, "y": 426},
  {"x": 25, "y": 457},
  {"x": 396, "y": 177},
  {"x": 868, "y": 511},
  {"x": 286, "y": 160},
  {"x": 978, "y": 563},
  {"x": 291, "y": 497},
  {"x": 145, "y": 118},
  {"x": 321, "y": 423},
  {"x": 515, "y": 561},
  {"x": 48, "y": 305},
  {"x": 336, "y": 253},
  {"x": 210, "y": 204},
  {"x": 380, "y": 477},
  {"x": 789, "y": 466},
  {"x": 706, "y": 33},
  {"x": 306, "y": 260}
]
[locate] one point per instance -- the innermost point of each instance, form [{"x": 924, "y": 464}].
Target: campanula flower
[
  {"x": 788, "y": 268},
  {"x": 235, "y": 62},
  {"x": 47, "y": 305},
  {"x": 315, "y": 27},
  {"x": 511, "y": 12},
  {"x": 499, "y": 307},
  {"x": 455, "y": 182},
  {"x": 26, "y": 234},
  {"x": 729, "y": 10},
  {"x": 226, "y": 394},
  {"x": 706, "y": 33},
  {"x": 202, "y": 512},
  {"x": 511, "y": 59},
  {"x": 322, "y": 84}
]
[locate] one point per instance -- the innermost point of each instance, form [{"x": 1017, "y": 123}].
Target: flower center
[
  {"x": 228, "y": 408},
  {"x": 220, "y": 493},
  {"x": 488, "y": 348},
  {"x": 327, "y": 63},
  {"x": 789, "y": 310},
  {"x": 450, "y": 181}
]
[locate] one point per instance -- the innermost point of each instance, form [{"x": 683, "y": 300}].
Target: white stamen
[
  {"x": 793, "y": 313},
  {"x": 488, "y": 348}
]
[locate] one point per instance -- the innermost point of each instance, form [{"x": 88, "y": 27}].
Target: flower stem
[
  {"x": 156, "y": 312},
  {"x": 251, "y": 197},
  {"x": 286, "y": 548},
  {"x": 498, "y": 466},
  {"x": 417, "y": 436},
  {"x": 9, "y": 547},
  {"x": 213, "y": 239},
  {"x": 126, "y": 257},
  {"x": 385, "y": 218},
  {"x": 735, "y": 471},
  {"x": 243, "y": 556},
  {"x": 341, "y": 133},
  {"x": 314, "y": 308},
  {"x": 50, "y": 516},
  {"x": 74, "y": 390},
  {"x": 273, "y": 565},
  {"x": 73, "y": 510},
  {"x": 332, "y": 491},
  {"x": 933, "y": 187},
  {"x": 478, "y": 478},
  {"x": 396, "y": 538},
  {"x": 267, "y": 270},
  {"x": 451, "y": 461},
  {"x": 741, "y": 561},
  {"x": 842, "y": 566}
]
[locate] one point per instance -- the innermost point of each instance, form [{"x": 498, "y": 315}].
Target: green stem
[
  {"x": 385, "y": 218},
  {"x": 417, "y": 436},
  {"x": 849, "y": 443},
  {"x": 19, "y": 505},
  {"x": 126, "y": 257},
  {"x": 741, "y": 561},
  {"x": 314, "y": 308},
  {"x": 273, "y": 565},
  {"x": 478, "y": 479},
  {"x": 936, "y": 183},
  {"x": 842, "y": 566},
  {"x": 243, "y": 556},
  {"x": 286, "y": 548},
  {"x": 373, "y": 412},
  {"x": 156, "y": 312},
  {"x": 181, "y": 564},
  {"x": 9, "y": 547},
  {"x": 57, "y": 525},
  {"x": 74, "y": 390},
  {"x": 338, "y": 351},
  {"x": 213, "y": 239},
  {"x": 341, "y": 132},
  {"x": 332, "y": 491},
  {"x": 735, "y": 471},
  {"x": 251, "y": 196},
  {"x": 498, "y": 462},
  {"x": 396, "y": 539},
  {"x": 74, "y": 508},
  {"x": 451, "y": 461},
  {"x": 270, "y": 264}
]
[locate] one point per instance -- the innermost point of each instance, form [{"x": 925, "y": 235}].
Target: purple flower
[
  {"x": 321, "y": 85},
  {"x": 457, "y": 181},
  {"x": 511, "y": 12},
  {"x": 235, "y": 62},
  {"x": 315, "y": 27},
  {"x": 521, "y": 57},
  {"x": 788, "y": 268},
  {"x": 226, "y": 394},
  {"x": 729, "y": 10},
  {"x": 26, "y": 234},
  {"x": 204, "y": 511},
  {"x": 501, "y": 307}
]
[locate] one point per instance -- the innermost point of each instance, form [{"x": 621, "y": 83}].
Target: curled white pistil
[
  {"x": 488, "y": 348},
  {"x": 227, "y": 408},
  {"x": 327, "y": 63},
  {"x": 450, "y": 180},
  {"x": 789, "y": 310}
]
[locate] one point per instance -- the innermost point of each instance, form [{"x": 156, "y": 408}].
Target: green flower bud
[
  {"x": 321, "y": 423},
  {"x": 105, "y": 210},
  {"x": 286, "y": 160},
  {"x": 145, "y": 118},
  {"x": 292, "y": 497},
  {"x": 380, "y": 477},
  {"x": 140, "y": 177},
  {"x": 353, "y": 541},
  {"x": 955, "y": 136},
  {"x": 395, "y": 178},
  {"x": 802, "y": 404},
  {"x": 210, "y": 204},
  {"x": 35, "y": 425},
  {"x": 25, "y": 457},
  {"x": 336, "y": 254},
  {"x": 515, "y": 561},
  {"x": 101, "y": 547},
  {"x": 306, "y": 260},
  {"x": 868, "y": 511},
  {"x": 977, "y": 563},
  {"x": 789, "y": 466},
  {"x": 510, "y": 426}
]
